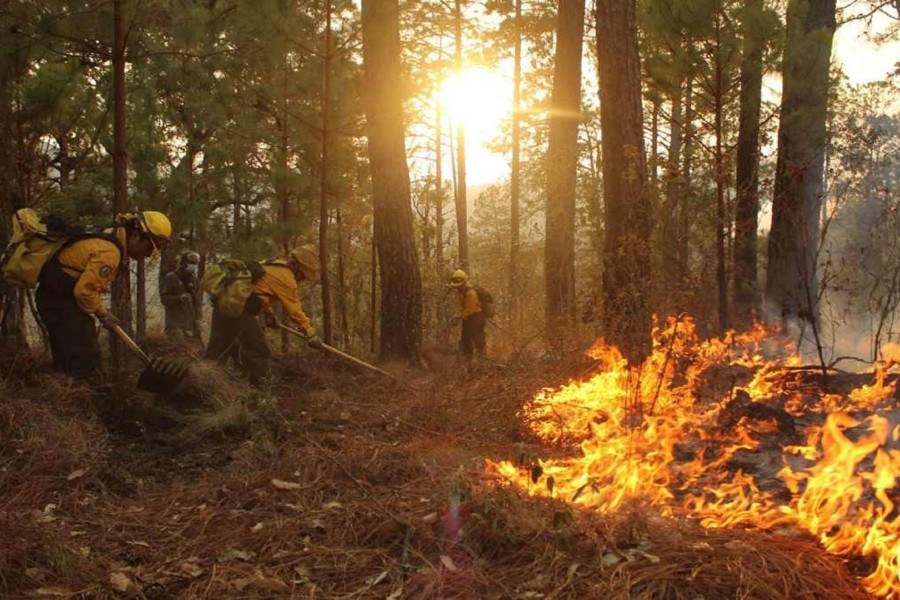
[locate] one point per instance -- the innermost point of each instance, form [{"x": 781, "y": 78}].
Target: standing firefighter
[
  {"x": 178, "y": 293},
  {"x": 240, "y": 291},
  {"x": 70, "y": 284},
  {"x": 471, "y": 314}
]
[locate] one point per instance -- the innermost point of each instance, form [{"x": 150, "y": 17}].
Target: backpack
[
  {"x": 34, "y": 242},
  {"x": 487, "y": 302},
  {"x": 229, "y": 284}
]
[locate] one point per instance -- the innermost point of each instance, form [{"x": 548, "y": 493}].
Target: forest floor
[{"x": 336, "y": 484}]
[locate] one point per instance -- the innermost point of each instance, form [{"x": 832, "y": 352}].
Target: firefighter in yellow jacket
[
  {"x": 472, "y": 340},
  {"x": 70, "y": 285},
  {"x": 242, "y": 339}
]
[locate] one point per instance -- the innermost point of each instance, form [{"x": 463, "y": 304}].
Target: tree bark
[
  {"x": 121, "y": 288},
  {"x": 746, "y": 218},
  {"x": 12, "y": 331},
  {"x": 515, "y": 172},
  {"x": 721, "y": 215},
  {"x": 324, "y": 190},
  {"x": 562, "y": 158},
  {"x": 791, "y": 286},
  {"x": 401, "y": 285},
  {"x": 626, "y": 259},
  {"x": 462, "y": 207}
]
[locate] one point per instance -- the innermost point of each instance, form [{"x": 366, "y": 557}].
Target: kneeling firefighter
[
  {"x": 71, "y": 282},
  {"x": 235, "y": 332}
]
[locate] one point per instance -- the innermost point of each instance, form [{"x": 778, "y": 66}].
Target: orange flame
[{"x": 655, "y": 436}]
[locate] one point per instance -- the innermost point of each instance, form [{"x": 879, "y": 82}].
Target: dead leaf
[
  {"x": 430, "y": 518},
  {"x": 448, "y": 562},
  {"x": 256, "y": 528},
  {"x": 76, "y": 474},
  {"x": 396, "y": 594},
  {"x": 138, "y": 543},
  {"x": 51, "y": 591},
  {"x": 332, "y": 505},
  {"x": 191, "y": 569},
  {"x": 267, "y": 584},
  {"x": 610, "y": 558},
  {"x": 286, "y": 485},
  {"x": 235, "y": 554},
  {"x": 122, "y": 583}
]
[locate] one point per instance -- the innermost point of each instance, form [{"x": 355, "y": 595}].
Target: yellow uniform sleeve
[
  {"x": 93, "y": 262},
  {"x": 280, "y": 285},
  {"x": 469, "y": 303}
]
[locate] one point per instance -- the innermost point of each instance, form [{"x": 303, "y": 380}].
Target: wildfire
[{"x": 663, "y": 435}]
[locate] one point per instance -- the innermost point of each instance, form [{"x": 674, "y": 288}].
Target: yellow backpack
[
  {"x": 35, "y": 241},
  {"x": 229, "y": 284},
  {"x": 30, "y": 247}
]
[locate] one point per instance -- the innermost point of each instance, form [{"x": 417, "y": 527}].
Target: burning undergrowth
[{"x": 730, "y": 432}]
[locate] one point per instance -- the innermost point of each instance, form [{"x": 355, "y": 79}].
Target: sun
[{"x": 481, "y": 99}]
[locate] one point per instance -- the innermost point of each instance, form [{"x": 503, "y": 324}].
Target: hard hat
[
  {"x": 458, "y": 278},
  {"x": 308, "y": 260},
  {"x": 190, "y": 257},
  {"x": 157, "y": 226}
]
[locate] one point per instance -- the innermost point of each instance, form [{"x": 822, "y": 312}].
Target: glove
[
  {"x": 314, "y": 342},
  {"x": 109, "y": 321},
  {"x": 271, "y": 321}
]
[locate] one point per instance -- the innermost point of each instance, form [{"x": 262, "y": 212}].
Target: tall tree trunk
[
  {"x": 515, "y": 173},
  {"x": 626, "y": 259},
  {"x": 562, "y": 158},
  {"x": 721, "y": 216},
  {"x": 121, "y": 288},
  {"x": 439, "y": 184},
  {"x": 12, "y": 331},
  {"x": 672, "y": 276},
  {"x": 791, "y": 286},
  {"x": 401, "y": 285},
  {"x": 462, "y": 207},
  {"x": 746, "y": 218},
  {"x": 342, "y": 280},
  {"x": 324, "y": 190},
  {"x": 683, "y": 238}
]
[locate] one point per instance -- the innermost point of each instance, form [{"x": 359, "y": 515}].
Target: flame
[{"x": 656, "y": 436}]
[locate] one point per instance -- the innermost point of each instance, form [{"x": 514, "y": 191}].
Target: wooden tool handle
[{"x": 132, "y": 345}]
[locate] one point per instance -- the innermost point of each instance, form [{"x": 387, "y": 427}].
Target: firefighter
[
  {"x": 70, "y": 285},
  {"x": 242, "y": 338},
  {"x": 178, "y": 293},
  {"x": 472, "y": 341}
]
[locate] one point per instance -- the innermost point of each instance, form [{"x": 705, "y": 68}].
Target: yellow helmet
[
  {"x": 157, "y": 226},
  {"x": 307, "y": 260},
  {"x": 459, "y": 278}
]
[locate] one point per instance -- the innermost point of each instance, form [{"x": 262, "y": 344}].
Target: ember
[{"x": 656, "y": 436}]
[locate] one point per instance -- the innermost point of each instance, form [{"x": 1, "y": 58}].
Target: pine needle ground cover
[{"x": 334, "y": 485}]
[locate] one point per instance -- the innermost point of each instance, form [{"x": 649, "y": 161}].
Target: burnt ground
[{"x": 336, "y": 484}]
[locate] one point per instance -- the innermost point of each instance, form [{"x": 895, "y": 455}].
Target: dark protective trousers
[
  {"x": 472, "y": 340},
  {"x": 242, "y": 340},
  {"x": 72, "y": 332}
]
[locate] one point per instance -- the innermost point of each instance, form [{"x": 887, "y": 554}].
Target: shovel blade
[{"x": 162, "y": 376}]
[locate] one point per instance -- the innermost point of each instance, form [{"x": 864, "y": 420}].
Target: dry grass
[{"x": 339, "y": 485}]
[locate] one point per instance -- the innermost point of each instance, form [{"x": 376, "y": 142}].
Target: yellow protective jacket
[
  {"x": 469, "y": 302},
  {"x": 94, "y": 262},
  {"x": 280, "y": 285}
]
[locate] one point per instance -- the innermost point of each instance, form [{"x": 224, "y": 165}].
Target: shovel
[
  {"x": 338, "y": 353},
  {"x": 160, "y": 375}
]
